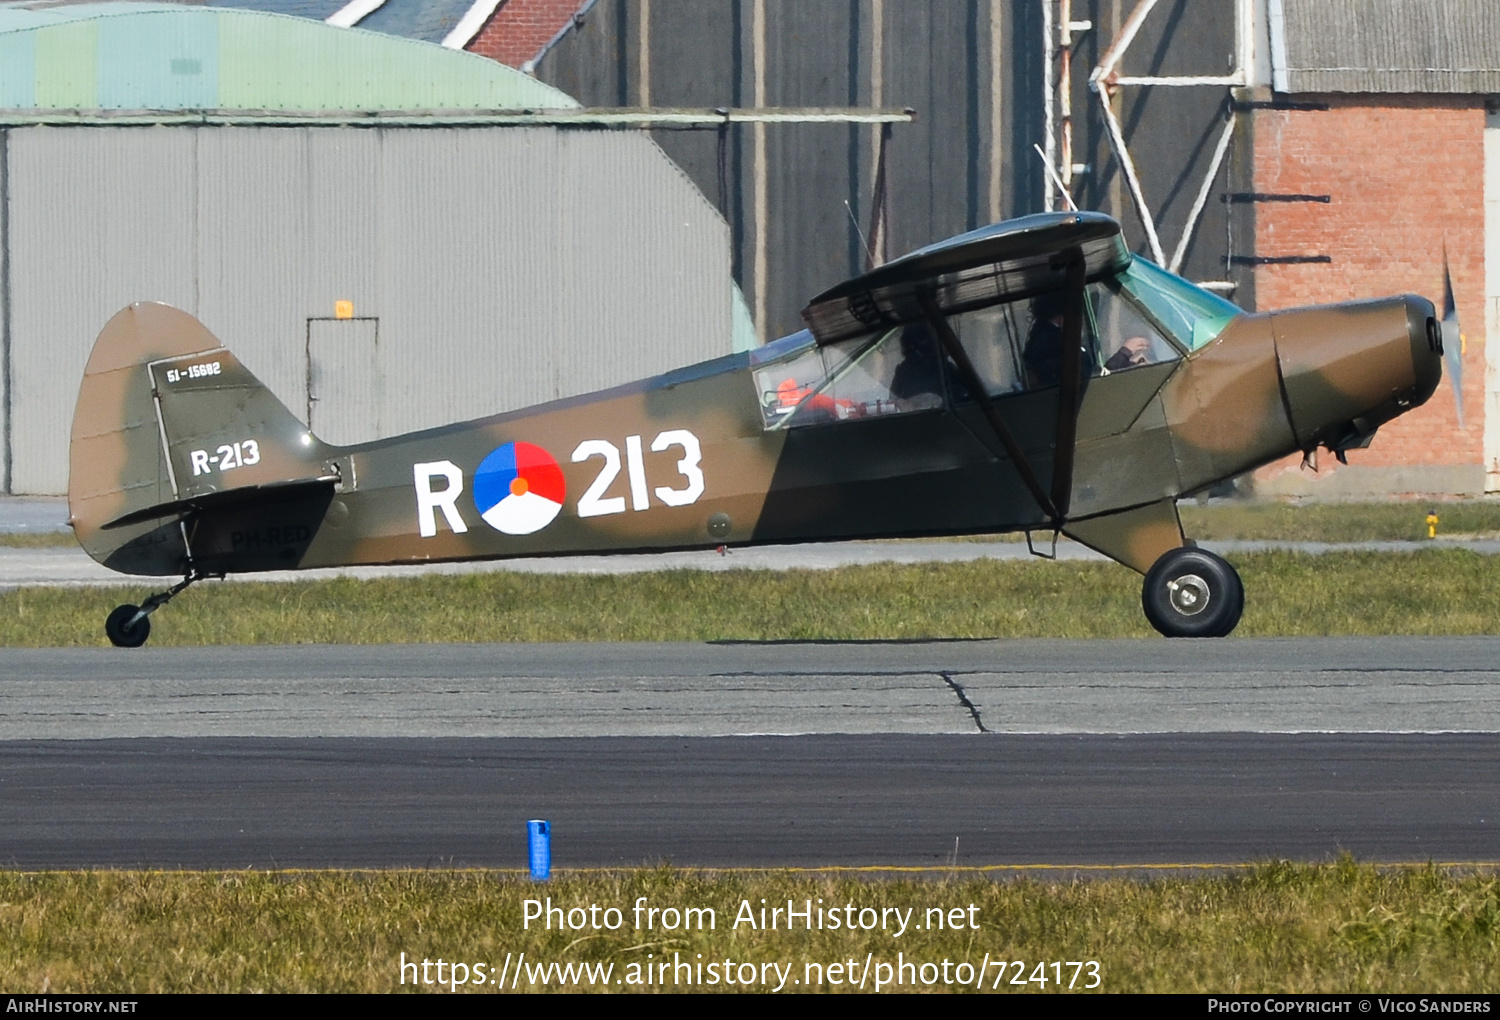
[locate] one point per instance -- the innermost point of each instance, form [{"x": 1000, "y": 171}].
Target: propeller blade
[{"x": 1453, "y": 344}]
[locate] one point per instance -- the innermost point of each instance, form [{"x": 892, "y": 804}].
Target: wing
[{"x": 1002, "y": 262}]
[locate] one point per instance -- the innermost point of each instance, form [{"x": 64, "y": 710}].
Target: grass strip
[
  {"x": 1430, "y": 592},
  {"x": 38, "y": 539},
  {"x": 1338, "y": 522},
  {"x": 1338, "y": 927}
]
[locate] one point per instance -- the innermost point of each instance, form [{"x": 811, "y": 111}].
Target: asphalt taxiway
[
  {"x": 813, "y": 801},
  {"x": 1293, "y": 685},
  {"x": 1023, "y": 752}
]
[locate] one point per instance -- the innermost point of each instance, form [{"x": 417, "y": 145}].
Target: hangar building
[
  {"x": 367, "y": 220},
  {"x": 1376, "y": 139},
  {"x": 1298, "y": 151}
]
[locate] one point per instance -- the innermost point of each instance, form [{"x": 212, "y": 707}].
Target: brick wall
[
  {"x": 520, "y": 28},
  {"x": 1406, "y": 176}
]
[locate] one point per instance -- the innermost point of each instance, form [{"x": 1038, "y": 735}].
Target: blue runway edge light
[{"x": 539, "y": 848}]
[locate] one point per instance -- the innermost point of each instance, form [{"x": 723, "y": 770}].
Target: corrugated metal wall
[
  {"x": 966, "y": 162},
  {"x": 1171, "y": 133},
  {"x": 505, "y": 265},
  {"x": 1443, "y": 46},
  {"x": 972, "y": 70}
]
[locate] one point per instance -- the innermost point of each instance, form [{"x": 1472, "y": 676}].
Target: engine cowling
[{"x": 1347, "y": 369}]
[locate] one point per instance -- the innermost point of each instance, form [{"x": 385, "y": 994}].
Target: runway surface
[
  {"x": 1065, "y": 753},
  {"x": 1347, "y": 685},
  {"x": 749, "y": 801}
]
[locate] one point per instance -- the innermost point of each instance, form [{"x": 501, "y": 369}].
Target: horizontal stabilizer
[
  {"x": 225, "y": 499},
  {"x": 170, "y": 424}
]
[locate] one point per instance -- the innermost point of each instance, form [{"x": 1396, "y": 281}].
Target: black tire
[
  {"x": 1192, "y": 593},
  {"x": 120, "y": 634}
]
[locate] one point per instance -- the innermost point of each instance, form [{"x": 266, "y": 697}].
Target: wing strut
[
  {"x": 1070, "y": 390},
  {"x": 955, "y": 350}
]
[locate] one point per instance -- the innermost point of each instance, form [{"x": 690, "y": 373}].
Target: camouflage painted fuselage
[{"x": 181, "y": 460}]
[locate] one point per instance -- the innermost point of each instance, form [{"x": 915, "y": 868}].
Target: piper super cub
[{"x": 1030, "y": 376}]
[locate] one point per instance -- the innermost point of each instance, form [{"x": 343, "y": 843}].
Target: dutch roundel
[{"x": 518, "y": 489}]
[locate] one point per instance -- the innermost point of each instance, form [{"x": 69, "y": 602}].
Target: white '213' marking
[{"x": 593, "y": 504}]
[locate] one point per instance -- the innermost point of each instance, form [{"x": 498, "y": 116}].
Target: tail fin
[{"x": 168, "y": 423}]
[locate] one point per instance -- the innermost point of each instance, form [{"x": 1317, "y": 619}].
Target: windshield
[{"x": 1191, "y": 314}]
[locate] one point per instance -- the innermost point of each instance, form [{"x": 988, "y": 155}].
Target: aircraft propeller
[{"x": 1453, "y": 342}]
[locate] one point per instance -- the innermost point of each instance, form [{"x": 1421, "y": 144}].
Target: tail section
[{"x": 169, "y": 426}]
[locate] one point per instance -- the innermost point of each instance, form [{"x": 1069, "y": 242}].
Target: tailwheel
[
  {"x": 127, "y": 626},
  {"x": 1193, "y": 593}
]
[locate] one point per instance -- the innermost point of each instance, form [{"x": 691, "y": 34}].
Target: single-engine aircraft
[{"x": 1032, "y": 375}]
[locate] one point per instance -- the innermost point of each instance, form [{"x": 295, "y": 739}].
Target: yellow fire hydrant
[{"x": 1432, "y": 523}]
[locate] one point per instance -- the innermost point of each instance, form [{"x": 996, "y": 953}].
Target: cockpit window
[
  {"x": 891, "y": 372},
  {"x": 1014, "y": 347},
  {"x": 1017, "y": 346},
  {"x": 1192, "y": 315},
  {"x": 1127, "y": 339}
]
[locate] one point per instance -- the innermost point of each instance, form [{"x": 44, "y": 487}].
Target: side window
[
  {"x": 1127, "y": 339},
  {"x": 916, "y": 375},
  {"x": 1042, "y": 355},
  {"x": 894, "y": 372},
  {"x": 992, "y": 338},
  {"x": 1017, "y": 346},
  {"x": 783, "y": 385}
]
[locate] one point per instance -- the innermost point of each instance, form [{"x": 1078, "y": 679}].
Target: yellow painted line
[
  {"x": 976, "y": 869},
  {"x": 990, "y": 868}
]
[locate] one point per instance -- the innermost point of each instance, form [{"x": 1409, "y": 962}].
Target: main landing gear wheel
[
  {"x": 127, "y": 627},
  {"x": 1192, "y": 593}
]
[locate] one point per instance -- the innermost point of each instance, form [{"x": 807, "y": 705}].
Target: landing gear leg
[
  {"x": 1193, "y": 593},
  {"x": 129, "y": 626}
]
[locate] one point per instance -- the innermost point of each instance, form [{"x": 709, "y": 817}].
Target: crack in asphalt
[{"x": 963, "y": 699}]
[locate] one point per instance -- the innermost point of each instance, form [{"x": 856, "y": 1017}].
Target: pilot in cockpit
[
  {"x": 1043, "y": 353},
  {"x": 1134, "y": 351}
]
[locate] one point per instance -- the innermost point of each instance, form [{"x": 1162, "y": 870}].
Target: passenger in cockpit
[
  {"x": 918, "y": 381},
  {"x": 1043, "y": 353}
]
